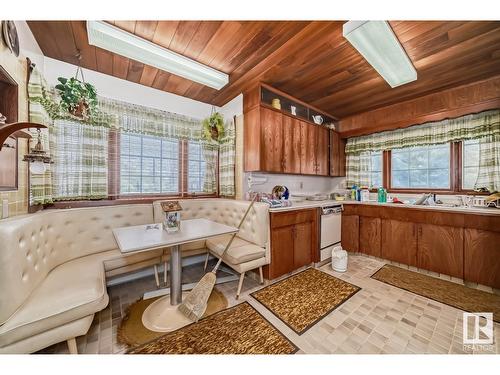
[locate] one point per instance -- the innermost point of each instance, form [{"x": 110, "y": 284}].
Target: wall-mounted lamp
[{"x": 37, "y": 157}]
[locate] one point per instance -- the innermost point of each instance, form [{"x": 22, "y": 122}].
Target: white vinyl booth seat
[
  {"x": 250, "y": 248},
  {"x": 53, "y": 268}
]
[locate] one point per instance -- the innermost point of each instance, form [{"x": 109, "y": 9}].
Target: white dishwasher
[{"x": 331, "y": 218}]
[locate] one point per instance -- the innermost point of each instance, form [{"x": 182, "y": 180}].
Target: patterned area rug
[
  {"x": 447, "y": 292},
  {"x": 132, "y": 332},
  {"x": 301, "y": 300},
  {"x": 237, "y": 330}
]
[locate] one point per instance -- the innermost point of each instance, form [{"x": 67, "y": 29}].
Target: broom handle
[{"x": 234, "y": 234}]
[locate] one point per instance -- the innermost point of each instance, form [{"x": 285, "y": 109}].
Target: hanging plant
[
  {"x": 213, "y": 127},
  {"x": 77, "y": 97}
]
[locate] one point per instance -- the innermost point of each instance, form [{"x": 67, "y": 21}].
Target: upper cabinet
[{"x": 283, "y": 135}]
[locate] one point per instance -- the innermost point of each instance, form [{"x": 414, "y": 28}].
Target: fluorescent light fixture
[
  {"x": 378, "y": 44},
  {"x": 111, "y": 38}
]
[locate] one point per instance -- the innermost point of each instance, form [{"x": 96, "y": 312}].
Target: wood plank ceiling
[{"x": 309, "y": 60}]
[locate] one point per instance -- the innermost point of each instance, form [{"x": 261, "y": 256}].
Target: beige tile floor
[{"x": 378, "y": 319}]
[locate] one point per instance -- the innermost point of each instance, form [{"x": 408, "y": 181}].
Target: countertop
[{"x": 313, "y": 204}]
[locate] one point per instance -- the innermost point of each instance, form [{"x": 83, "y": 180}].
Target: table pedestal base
[{"x": 161, "y": 316}]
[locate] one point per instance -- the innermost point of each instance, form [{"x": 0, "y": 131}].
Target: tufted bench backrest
[
  {"x": 32, "y": 245},
  {"x": 226, "y": 211}
]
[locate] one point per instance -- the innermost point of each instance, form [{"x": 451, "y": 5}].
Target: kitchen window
[
  {"x": 470, "y": 163},
  {"x": 426, "y": 167}
]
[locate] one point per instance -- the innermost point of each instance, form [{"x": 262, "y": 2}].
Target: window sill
[{"x": 123, "y": 200}]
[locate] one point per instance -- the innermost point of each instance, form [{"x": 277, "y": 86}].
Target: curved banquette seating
[{"x": 54, "y": 264}]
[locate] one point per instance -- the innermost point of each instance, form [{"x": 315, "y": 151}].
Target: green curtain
[
  {"x": 358, "y": 169},
  {"x": 227, "y": 160},
  {"x": 40, "y": 184},
  {"x": 132, "y": 118},
  {"x": 462, "y": 128},
  {"x": 489, "y": 163},
  {"x": 80, "y": 153},
  {"x": 210, "y": 152}
]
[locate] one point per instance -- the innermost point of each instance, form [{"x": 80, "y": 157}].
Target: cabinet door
[
  {"x": 350, "y": 232},
  {"x": 322, "y": 156},
  {"x": 337, "y": 155},
  {"x": 282, "y": 251},
  {"x": 369, "y": 235},
  {"x": 302, "y": 244},
  {"x": 399, "y": 241},
  {"x": 308, "y": 148},
  {"x": 291, "y": 145},
  {"x": 272, "y": 140},
  {"x": 482, "y": 257},
  {"x": 441, "y": 249}
]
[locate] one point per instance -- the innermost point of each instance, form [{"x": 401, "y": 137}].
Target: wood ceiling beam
[{"x": 309, "y": 35}]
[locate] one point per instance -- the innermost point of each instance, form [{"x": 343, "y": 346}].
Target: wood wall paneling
[{"x": 456, "y": 102}]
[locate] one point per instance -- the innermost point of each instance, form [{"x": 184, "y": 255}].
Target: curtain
[
  {"x": 132, "y": 118},
  {"x": 40, "y": 184},
  {"x": 80, "y": 166},
  {"x": 466, "y": 127},
  {"x": 489, "y": 163},
  {"x": 210, "y": 152},
  {"x": 358, "y": 169},
  {"x": 227, "y": 159}
]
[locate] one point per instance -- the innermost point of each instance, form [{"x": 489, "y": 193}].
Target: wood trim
[{"x": 451, "y": 103}]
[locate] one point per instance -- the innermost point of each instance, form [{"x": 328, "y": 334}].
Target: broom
[{"x": 195, "y": 303}]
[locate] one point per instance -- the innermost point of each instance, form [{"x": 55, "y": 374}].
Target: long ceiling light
[
  {"x": 111, "y": 38},
  {"x": 378, "y": 44}
]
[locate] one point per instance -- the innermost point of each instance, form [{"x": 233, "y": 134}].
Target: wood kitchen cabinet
[
  {"x": 277, "y": 141},
  {"x": 482, "y": 257},
  {"x": 370, "y": 235},
  {"x": 441, "y": 249},
  {"x": 291, "y": 145},
  {"x": 399, "y": 241},
  {"x": 294, "y": 241},
  {"x": 350, "y": 232},
  {"x": 337, "y": 155}
]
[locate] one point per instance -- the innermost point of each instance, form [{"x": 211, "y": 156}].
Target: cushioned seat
[
  {"x": 241, "y": 251},
  {"x": 80, "y": 288}
]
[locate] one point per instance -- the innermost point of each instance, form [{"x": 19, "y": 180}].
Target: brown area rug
[
  {"x": 132, "y": 332},
  {"x": 237, "y": 330},
  {"x": 447, "y": 292},
  {"x": 301, "y": 300}
]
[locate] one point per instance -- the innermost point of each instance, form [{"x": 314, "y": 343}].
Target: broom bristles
[{"x": 195, "y": 303}]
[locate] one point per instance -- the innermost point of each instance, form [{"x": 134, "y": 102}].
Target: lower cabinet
[
  {"x": 350, "y": 232},
  {"x": 482, "y": 257},
  {"x": 370, "y": 235},
  {"x": 294, "y": 241},
  {"x": 441, "y": 249},
  {"x": 399, "y": 241}
]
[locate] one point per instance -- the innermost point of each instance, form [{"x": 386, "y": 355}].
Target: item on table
[
  {"x": 396, "y": 200},
  {"x": 354, "y": 190},
  {"x": 172, "y": 210},
  {"x": 280, "y": 192},
  {"x": 364, "y": 195}
]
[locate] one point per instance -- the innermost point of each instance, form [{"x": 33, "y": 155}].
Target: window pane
[
  {"x": 470, "y": 163},
  {"x": 149, "y": 165},
  {"x": 196, "y": 167},
  {"x": 421, "y": 167}
]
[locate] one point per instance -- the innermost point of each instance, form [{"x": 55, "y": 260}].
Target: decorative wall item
[
  {"x": 275, "y": 103},
  {"x": 10, "y": 37},
  {"x": 172, "y": 210},
  {"x": 293, "y": 109},
  {"x": 77, "y": 97},
  {"x": 37, "y": 157}
]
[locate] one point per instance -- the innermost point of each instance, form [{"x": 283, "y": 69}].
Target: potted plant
[
  {"x": 213, "y": 127},
  {"x": 77, "y": 97}
]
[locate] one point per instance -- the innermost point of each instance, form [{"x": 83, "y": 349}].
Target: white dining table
[{"x": 163, "y": 316}]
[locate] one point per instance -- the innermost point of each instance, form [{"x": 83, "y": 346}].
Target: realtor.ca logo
[{"x": 478, "y": 331}]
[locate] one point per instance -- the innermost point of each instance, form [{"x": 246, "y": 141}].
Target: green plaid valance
[{"x": 473, "y": 126}]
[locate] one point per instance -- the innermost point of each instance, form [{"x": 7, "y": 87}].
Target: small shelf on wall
[
  {"x": 286, "y": 103},
  {"x": 16, "y": 130}
]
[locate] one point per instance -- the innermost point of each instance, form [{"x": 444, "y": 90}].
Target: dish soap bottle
[{"x": 382, "y": 195}]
